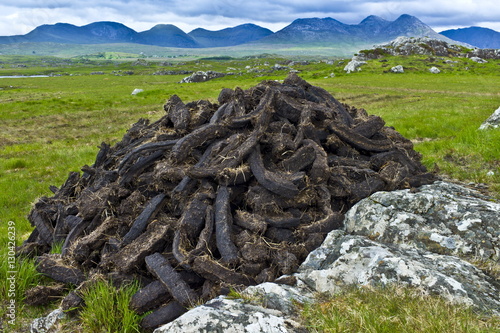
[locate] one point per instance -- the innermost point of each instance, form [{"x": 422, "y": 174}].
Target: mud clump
[{"x": 218, "y": 195}]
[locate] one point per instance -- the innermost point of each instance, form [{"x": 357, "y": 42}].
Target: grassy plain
[
  {"x": 131, "y": 50},
  {"x": 53, "y": 125}
]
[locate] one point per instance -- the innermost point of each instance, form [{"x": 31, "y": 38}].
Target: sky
[{"x": 18, "y": 17}]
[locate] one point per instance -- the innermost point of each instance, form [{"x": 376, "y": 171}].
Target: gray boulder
[
  {"x": 227, "y": 315},
  {"x": 354, "y": 65},
  {"x": 45, "y": 324},
  {"x": 397, "y": 69},
  {"x": 201, "y": 76},
  {"x": 492, "y": 122},
  {"x": 444, "y": 218},
  {"x": 478, "y": 60}
]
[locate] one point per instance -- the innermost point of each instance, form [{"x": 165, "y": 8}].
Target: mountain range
[
  {"x": 160, "y": 35},
  {"x": 303, "y": 32}
]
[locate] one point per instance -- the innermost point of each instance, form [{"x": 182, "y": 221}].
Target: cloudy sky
[{"x": 22, "y": 16}]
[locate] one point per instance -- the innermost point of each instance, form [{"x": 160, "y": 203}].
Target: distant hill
[
  {"x": 94, "y": 33},
  {"x": 483, "y": 38},
  {"x": 372, "y": 29},
  {"x": 166, "y": 35},
  {"x": 230, "y": 36}
]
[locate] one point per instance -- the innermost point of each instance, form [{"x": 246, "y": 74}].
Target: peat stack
[{"x": 213, "y": 196}]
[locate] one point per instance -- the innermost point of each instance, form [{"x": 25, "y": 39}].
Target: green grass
[
  {"x": 392, "y": 309},
  {"x": 52, "y": 126},
  {"x": 26, "y": 269},
  {"x": 106, "y": 310},
  {"x": 24, "y": 277}
]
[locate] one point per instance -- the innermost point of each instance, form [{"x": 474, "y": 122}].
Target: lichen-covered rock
[
  {"x": 354, "y": 65},
  {"x": 345, "y": 260},
  {"x": 281, "y": 297},
  {"x": 231, "y": 316},
  {"x": 45, "y": 324},
  {"x": 492, "y": 122},
  {"x": 442, "y": 217}
]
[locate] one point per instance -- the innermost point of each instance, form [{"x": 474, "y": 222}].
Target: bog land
[{"x": 53, "y": 125}]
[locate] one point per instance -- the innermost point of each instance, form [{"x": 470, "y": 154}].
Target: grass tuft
[
  {"x": 107, "y": 308},
  {"x": 392, "y": 309}
]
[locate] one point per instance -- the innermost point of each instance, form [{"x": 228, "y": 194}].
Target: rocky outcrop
[
  {"x": 417, "y": 238},
  {"x": 405, "y": 46},
  {"x": 492, "y": 122},
  {"x": 408, "y": 46},
  {"x": 485, "y": 53}
]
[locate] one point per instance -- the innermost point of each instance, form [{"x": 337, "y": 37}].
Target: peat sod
[{"x": 214, "y": 196}]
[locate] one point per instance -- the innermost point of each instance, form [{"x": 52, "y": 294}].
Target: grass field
[{"x": 52, "y": 126}]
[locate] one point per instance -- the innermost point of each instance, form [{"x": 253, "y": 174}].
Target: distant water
[{"x": 20, "y": 76}]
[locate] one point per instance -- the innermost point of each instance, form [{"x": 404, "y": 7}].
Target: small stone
[
  {"x": 434, "y": 70},
  {"x": 44, "y": 324},
  {"x": 478, "y": 60},
  {"x": 397, "y": 69}
]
